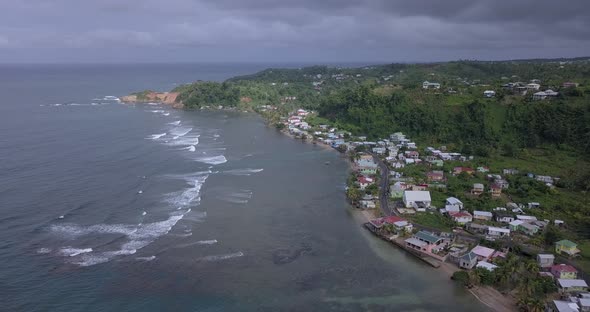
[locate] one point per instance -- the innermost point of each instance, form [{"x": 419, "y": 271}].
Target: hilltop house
[
  {"x": 482, "y": 215},
  {"x": 461, "y": 217},
  {"x": 564, "y": 271},
  {"x": 459, "y": 170},
  {"x": 478, "y": 189},
  {"x": 453, "y": 204},
  {"x": 533, "y": 86},
  {"x": 496, "y": 232},
  {"x": 430, "y": 85},
  {"x": 545, "y": 261},
  {"x": 504, "y": 216},
  {"x": 435, "y": 176},
  {"x": 489, "y": 93},
  {"x": 496, "y": 190},
  {"x": 419, "y": 200},
  {"x": 572, "y": 285},
  {"x": 528, "y": 228},
  {"x": 426, "y": 242},
  {"x": 566, "y": 247}
]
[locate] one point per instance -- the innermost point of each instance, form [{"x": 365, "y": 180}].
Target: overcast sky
[{"x": 290, "y": 30}]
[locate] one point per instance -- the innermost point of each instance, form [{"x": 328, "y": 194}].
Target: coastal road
[{"x": 383, "y": 187}]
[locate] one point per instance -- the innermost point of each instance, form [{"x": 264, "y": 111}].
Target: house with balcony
[{"x": 567, "y": 247}]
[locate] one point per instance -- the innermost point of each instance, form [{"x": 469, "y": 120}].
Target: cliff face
[{"x": 159, "y": 97}]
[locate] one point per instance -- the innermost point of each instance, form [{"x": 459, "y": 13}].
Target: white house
[
  {"x": 486, "y": 265},
  {"x": 461, "y": 217},
  {"x": 498, "y": 232},
  {"x": 453, "y": 202},
  {"x": 430, "y": 85},
  {"x": 417, "y": 199},
  {"x": 489, "y": 93},
  {"x": 539, "y": 96},
  {"x": 533, "y": 86}
]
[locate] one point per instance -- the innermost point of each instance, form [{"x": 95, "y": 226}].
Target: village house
[
  {"x": 419, "y": 200},
  {"x": 482, "y": 215},
  {"x": 544, "y": 179},
  {"x": 582, "y": 305},
  {"x": 397, "y": 190},
  {"x": 496, "y": 190},
  {"x": 461, "y": 217},
  {"x": 545, "y": 261},
  {"x": 459, "y": 170},
  {"x": 496, "y": 232},
  {"x": 426, "y": 242},
  {"x": 478, "y": 189},
  {"x": 367, "y": 204},
  {"x": 399, "y": 224},
  {"x": 514, "y": 225},
  {"x": 569, "y": 85},
  {"x": 504, "y": 216},
  {"x": 468, "y": 261},
  {"x": 435, "y": 176},
  {"x": 502, "y": 183},
  {"x": 509, "y": 171},
  {"x": 453, "y": 204},
  {"x": 489, "y": 93},
  {"x": 483, "y": 169},
  {"x": 483, "y": 253},
  {"x": 476, "y": 228},
  {"x": 486, "y": 265},
  {"x": 564, "y": 271},
  {"x": 364, "y": 182},
  {"x": 533, "y": 86},
  {"x": 572, "y": 285},
  {"x": 430, "y": 85},
  {"x": 528, "y": 228},
  {"x": 566, "y": 247}
]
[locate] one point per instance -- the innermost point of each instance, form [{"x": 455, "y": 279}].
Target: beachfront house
[
  {"x": 419, "y": 200},
  {"x": 482, "y": 215},
  {"x": 367, "y": 204},
  {"x": 399, "y": 224},
  {"x": 483, "y": 253},
  {"x": 564, "y": 271},
  {"x": 364, "y": 182},
  {"x": 566, "y": 247},
  {"x": 468, "y": 261},
  {"x": 572, "y": 285},
  {"x": 426, "y": 242},
  {"x": 545, "y": 261}
]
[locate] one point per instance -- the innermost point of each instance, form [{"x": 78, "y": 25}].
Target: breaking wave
[
  {"x": 156, "y": 136},
  {"x": 242, "y": 172},
  {"x": 212, "y": 160},
  {"x": 222, "y": 257}
]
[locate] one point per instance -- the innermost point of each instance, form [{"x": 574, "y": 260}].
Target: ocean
[{"x": 112, "y": 207}]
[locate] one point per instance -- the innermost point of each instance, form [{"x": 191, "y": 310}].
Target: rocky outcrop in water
[{"x": 170, "y": 98}]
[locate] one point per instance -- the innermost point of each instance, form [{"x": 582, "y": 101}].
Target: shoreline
[{"x": 486, "y": 295}]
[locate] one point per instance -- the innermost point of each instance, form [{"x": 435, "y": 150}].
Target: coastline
[{"x": 487, "y": 295}]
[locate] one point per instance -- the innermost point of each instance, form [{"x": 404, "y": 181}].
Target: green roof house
[{"x": 567, "y": 247}]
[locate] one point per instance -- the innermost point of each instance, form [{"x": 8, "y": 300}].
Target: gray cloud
[{"x": 291, "y": 30}]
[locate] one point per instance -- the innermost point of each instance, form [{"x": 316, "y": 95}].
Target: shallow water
[{"x": 113, "y": 207}]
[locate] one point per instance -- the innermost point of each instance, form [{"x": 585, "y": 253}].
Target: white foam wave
[
  {"x": 72, "y": 252},
  {"x": 212, "y": 160},
  {"x": 157, "y": 111},
  {"x": 190, "y": 148},
  {"x": 150, "y": 258},
  {"x": 244, "y": 172},
  {"x": 180, "y": 131},
  {"x": 156, "y": 136},
  {"x": 43, "y": 250},
  {"x": 175, "y": 123},
  {"x": 187, "y": 140},
  {"x": 166, "y": 114},
  {"x": 222, "y": 257}
]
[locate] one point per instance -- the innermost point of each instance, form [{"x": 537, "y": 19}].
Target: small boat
[
  {"x": 140, "y": 192},
  {"x": 327, "y": 163}
]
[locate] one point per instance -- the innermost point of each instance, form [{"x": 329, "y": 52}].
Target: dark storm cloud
[{"x": 298, "y": 30}]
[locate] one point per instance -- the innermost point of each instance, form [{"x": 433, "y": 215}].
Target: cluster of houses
[{"x": 573, "y": 291}]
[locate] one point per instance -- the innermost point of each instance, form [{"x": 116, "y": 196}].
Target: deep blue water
[{"x": 113, "y": 207}]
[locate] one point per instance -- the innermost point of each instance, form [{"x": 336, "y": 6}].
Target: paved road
[{"x": 384, "y": 187}]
